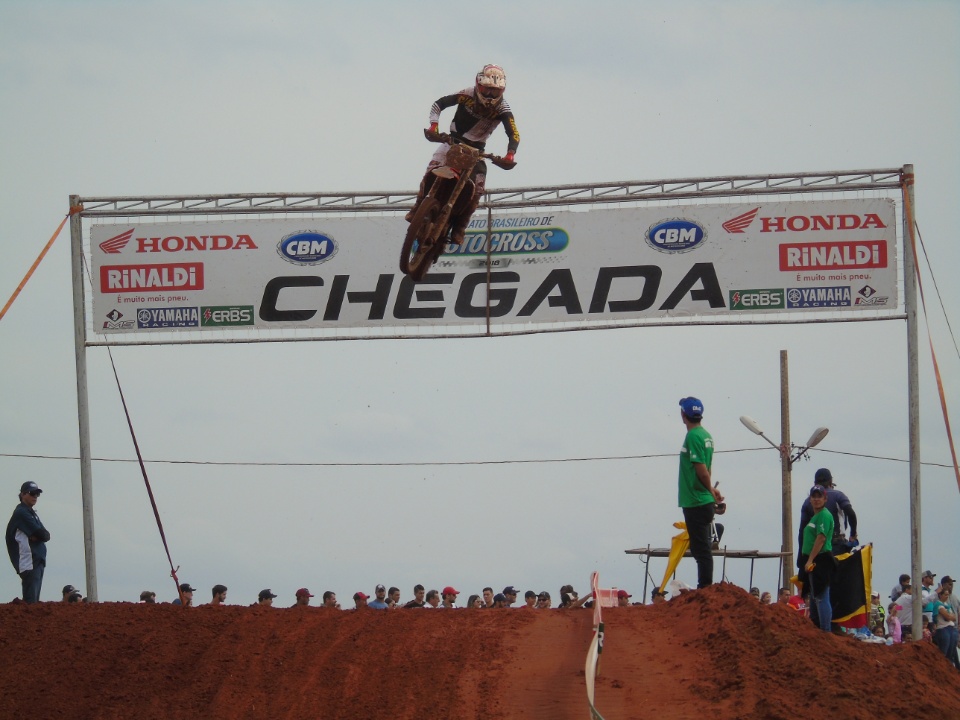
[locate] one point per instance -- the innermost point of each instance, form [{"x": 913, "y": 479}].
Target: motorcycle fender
[{"x": 446, "y": 172}]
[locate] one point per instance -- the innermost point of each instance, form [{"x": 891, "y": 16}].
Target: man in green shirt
[
  {"x": 816, "y": 559},
  {"x": 698, "y": 496}
]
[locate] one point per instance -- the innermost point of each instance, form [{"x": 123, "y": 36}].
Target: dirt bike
[{"x": 448, "y": 196}]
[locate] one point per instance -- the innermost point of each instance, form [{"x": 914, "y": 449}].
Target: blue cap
[
  {"x": 692, "y": 408},
  {"x": 818, "y": 490}
]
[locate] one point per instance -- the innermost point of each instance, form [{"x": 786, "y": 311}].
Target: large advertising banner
[{"x": 590, "y": 267}]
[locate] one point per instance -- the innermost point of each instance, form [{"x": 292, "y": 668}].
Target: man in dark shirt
[
  {"x": 418, "y": 593},
  {"x": 840, "y": 507},
  {"x": 27, "y": 539}
]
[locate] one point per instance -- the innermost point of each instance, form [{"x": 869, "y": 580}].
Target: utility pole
[{"x": 786, "y": 465}]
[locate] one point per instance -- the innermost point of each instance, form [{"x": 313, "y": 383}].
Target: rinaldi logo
[
  {"x": 117, "y": 243},
  {"x": 833, "y": 255},
  {"x": 136, "y": 278}
]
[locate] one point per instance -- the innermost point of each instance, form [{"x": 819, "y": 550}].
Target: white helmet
[{"x": 491, "y": 82}]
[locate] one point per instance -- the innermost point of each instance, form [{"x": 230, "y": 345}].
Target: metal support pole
[
  {"x": 489, "y": 262},
  {"x": 83, "y": 414},
  {"x": 913, "y": 396},
  {"x": 786, "y": 490},
  {"x": 646, "y": 574}
]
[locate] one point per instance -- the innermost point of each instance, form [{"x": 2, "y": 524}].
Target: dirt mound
[{"x": 714, "y": 653}]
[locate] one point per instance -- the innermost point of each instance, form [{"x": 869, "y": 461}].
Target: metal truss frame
[
  {"x": 590, "y": 194},
  {"x": 707, "y": 188}
]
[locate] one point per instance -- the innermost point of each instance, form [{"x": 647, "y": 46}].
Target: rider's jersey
[{"x": 473, "y": 123}]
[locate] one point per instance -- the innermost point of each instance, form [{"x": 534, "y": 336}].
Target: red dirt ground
[{"x": 715, "y": 653}]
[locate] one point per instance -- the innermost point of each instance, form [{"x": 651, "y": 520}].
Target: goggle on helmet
[{"x": 491, "y": 82}]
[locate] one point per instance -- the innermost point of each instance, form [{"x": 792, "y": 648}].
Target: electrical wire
[{"x": 439, "y": 463}]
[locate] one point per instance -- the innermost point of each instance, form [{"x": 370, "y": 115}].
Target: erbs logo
[
  {"x": 675, "y": 236},
  {"x": 226, "y": 315},
  {"x": 770, "y": 299},
  {"x": 307, "y": 247}
]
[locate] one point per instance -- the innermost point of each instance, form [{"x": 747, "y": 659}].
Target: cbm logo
[
  {"x": 307, "y": 247},
  {"x": 675, "y": 236}
]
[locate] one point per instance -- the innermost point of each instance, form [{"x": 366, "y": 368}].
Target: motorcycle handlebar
[{"x": 438, "y": 137}]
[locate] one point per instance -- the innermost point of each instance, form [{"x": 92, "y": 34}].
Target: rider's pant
[{"x": 461, "y": 220}]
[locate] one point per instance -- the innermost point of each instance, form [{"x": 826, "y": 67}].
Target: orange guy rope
[
  {"x": 26, "y": 278},
  {"x": 936, "y": 367}
]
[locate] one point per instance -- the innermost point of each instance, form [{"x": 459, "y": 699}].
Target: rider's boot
[
  {"x": 421, "y": 194},
  {"x": 458, "y": 227},
  {"x": 458, "y": 223}
]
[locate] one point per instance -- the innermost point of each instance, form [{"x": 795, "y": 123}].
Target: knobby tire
[{"x": 422, "y": 230}]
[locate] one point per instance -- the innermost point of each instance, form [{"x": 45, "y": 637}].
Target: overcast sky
[{"x": 164, "y": 98}]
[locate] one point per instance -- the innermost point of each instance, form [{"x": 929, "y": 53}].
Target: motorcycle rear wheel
[{"x": 417, "y": 254}]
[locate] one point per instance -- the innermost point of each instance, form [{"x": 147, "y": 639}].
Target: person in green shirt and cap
[
  {"x": 698, "y": 497},
  {"x": 816, "y": 559}
]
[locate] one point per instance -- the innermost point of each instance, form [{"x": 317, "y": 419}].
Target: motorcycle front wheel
[{"x": 416, "y": 256}]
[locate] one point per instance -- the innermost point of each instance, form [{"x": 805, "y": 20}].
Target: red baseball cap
[
  {"x": 303, "y": 592},
  {"x": 450, "y": 591},
  {"x": 623, "y": 593},
  {"x": 360, "y": 596}
]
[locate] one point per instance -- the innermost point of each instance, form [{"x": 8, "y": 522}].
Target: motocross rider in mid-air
[{"x": 479, "y": 110}]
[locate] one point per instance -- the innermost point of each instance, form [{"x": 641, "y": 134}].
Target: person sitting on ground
[
  {"x": 766, "y": 598},
  {"x": 67, "y": 591},
  {"x": 380, "y": 601},
  {"x": 544, "y": 602},
  {"x": 450, "y": 598},
  {"x": 330, "y": 600},
  {"x": 303, "y": 597},
  {"x": 148, "y": 597},
  {"x": 360, "y": 600},
  {"x": 265, "y": 598},
  {"x": 623, "y": 598},
  {"x": 658, "y": 596},
  {"x": 755, "y": 592},
  {"x": 530, "y": 600},
  {"x": 219, "y": 594},
  {"x": 433, "y": 599},
  {"x": 474, "y": 602},
  {"x": 186, "y": 595},
  {"x": 500, "y": 601},
  {"x": 417, "y": 601}
]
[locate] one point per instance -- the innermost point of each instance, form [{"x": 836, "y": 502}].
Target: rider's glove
[
  {"x": 509, "y": 157},
  {"x": 434, "y": 128}
]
